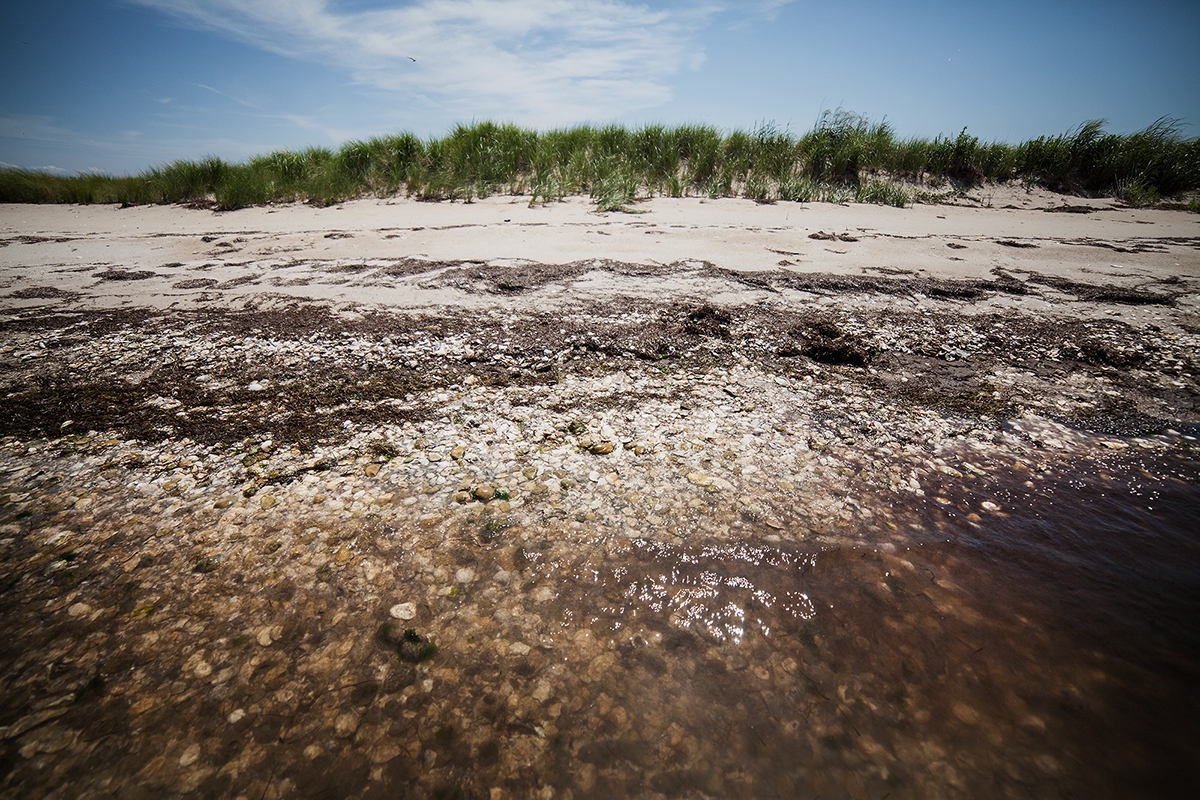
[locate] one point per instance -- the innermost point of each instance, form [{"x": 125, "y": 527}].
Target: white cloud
[
  {"x": 333, "y": 134},
  {"x": 47, "y": 168},
  {"x": 537, "y": 62},
  {"x": 226, "y": 95},
  {"x": 770, "y": 8}
]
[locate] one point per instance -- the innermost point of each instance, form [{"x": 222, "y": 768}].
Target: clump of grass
[
  {"x": 845, "y": 157},
  {"x": 884, "y": 193},
  {"x": 615, "y": 186},
  {"x": 1136, "y": 193}
]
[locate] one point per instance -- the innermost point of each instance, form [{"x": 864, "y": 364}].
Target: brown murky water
[{"x": 1046, "y": 650}]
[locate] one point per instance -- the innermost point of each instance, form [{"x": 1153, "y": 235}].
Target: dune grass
[{"x": 844, "y": 157}]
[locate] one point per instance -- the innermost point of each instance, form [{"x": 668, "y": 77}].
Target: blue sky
[{"x": 122, "y": 85}]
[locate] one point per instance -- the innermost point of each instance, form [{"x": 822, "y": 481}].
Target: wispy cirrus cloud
[
  {"x": 237, "y": 100},
  {"x": 538, "y": 62}
]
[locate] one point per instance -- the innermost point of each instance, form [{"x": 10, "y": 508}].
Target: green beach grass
[{"x": 845, "y": 157}]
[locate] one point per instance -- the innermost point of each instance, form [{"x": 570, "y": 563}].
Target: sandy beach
[
  {"x": 179, "y": 258},
  {"x": 715, "y": 499}
]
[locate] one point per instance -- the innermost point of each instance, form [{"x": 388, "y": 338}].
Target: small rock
[
  {"x": 403, "y": 610},
  {"x": 255, "y": 386},
  {"x": 385, "y": 752},
  {"x": 345, "y": 725},
  {"x": 371, "y": 470},
  {"x": 966, "y": 713},
  {"x": 484, "y": 492},
  {"x": 205, "y": 565},
  {"x": 458, "y": 452},
  {"x": 190, "y": 756},
  {"x": 268, "y": 501},
  {"x": 699, "y": 479}
]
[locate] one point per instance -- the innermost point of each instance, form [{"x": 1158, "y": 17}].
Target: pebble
[
  {"x": 190, "y": 756},
  {"x": 346, "y": 724},
  {"x": 966, "y": 713},
  {"x": 405, "y": 611}
]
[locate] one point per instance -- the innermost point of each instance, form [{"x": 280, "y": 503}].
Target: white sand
[{"x": 288, "y": 253}]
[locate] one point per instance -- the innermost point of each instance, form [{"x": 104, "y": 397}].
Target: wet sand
[{"x": 718, "y": 500}]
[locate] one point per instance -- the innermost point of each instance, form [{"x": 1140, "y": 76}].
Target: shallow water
[
  {"x": 1039, "y": 646},
  {"x": 1100, "y": 562},
  {"x": 1050, "y": 650}
]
